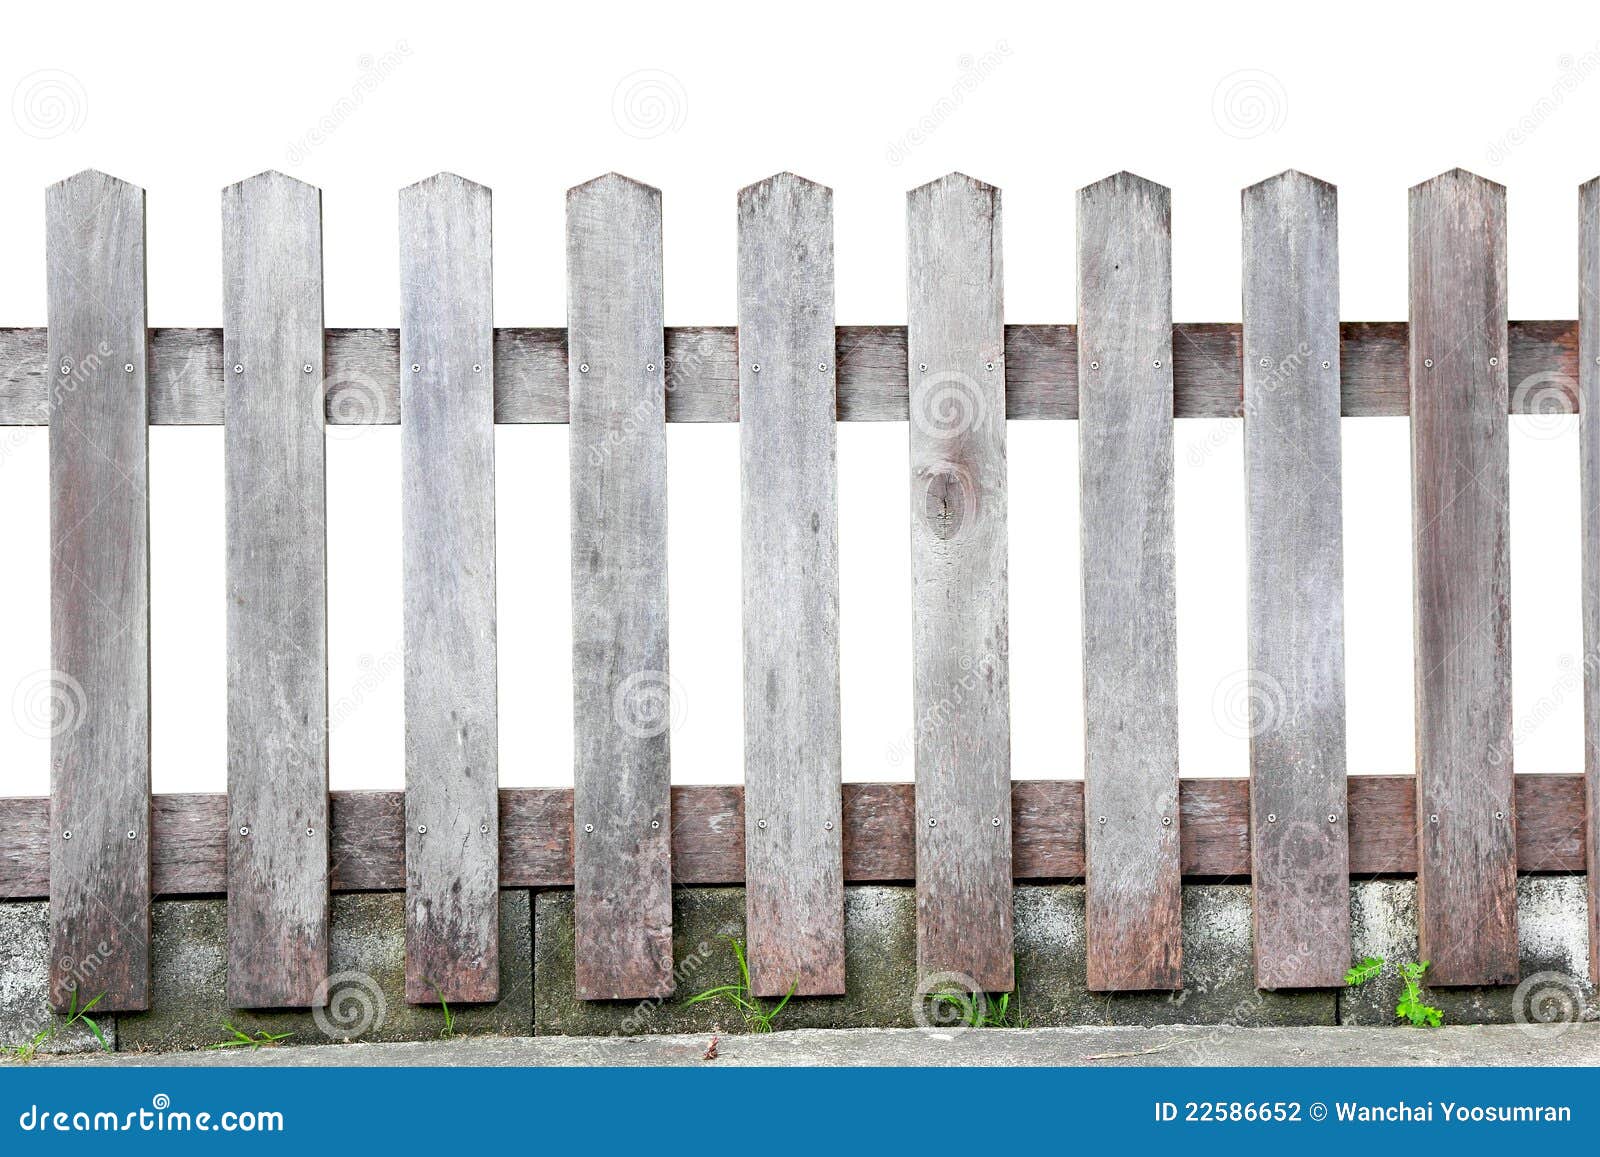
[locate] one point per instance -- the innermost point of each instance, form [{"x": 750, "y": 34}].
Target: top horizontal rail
[{"x": 1041, "y": 364}]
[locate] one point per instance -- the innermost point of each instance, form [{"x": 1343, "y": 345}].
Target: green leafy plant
[
  {"x": 237, "y": 1039},
  {"x": 449, "y": 1029},
  {"x": 1410, "y": 1008},
  {"x": 754, "y": 1011},
  {"x": 75, "y": 1015},
  {"x": 974, "y": 1012},
  {"x": 1364, "y": 971}
]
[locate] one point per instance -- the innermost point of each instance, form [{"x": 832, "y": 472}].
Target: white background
[{"x": 870, "y": 100}]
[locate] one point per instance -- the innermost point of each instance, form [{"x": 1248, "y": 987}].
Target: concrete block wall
[{"x": 537, "y": 997}]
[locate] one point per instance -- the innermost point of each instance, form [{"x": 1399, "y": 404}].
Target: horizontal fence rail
[
  {"x": 1041, "y": 373},
  {"x": 1299, "y": 828}
]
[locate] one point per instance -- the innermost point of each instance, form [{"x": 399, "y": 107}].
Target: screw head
[
  {"x": 66, "y": 366},
  {"x": 127, "y": 367},
  {"x": 654, "y": 824},
  {"x": 755, "y": 367},
  {"x": 307, "y": 368},
  {"x": 67, "y": 835},
  {"x": 1427, "y": 363},
  {"x": 310, "y": 832},
  {"x": 477, "y": 367},
  {"x": 995, "y": 822},
  {"x": 1102, "y": 819},
  {"x": 1333, "y": 817},
  {"x": 1434, "y": 818},
  {"x": 1327, "y": 365},
  {"x": 1166, "y": 821},
  {"x": 1158, "y": 363},
  {"x": 933, "y": 823},
  {"x": 923, "y": 366},
  {"x": 583, "y": 367},
  {"x": 244, "y": 830},
  {"x": 1494, "y": 361},
  {"x": 822, "y": 367},
  {"x": 132, "y": 835},
  {"x": 238, "y": 367},
  {"x": 588, "y": 827},
  {"x": 762, "y": 824},
  {"x": 1094, "y": 365},
  {"x": 650, "y": 367},
  {"x": 416, "y": 367},
  {"x": 1264, "y": 362},
  {"x": 422, "y": 829},
  {"x": 1272, "y": 818},
  {"x": 1499, "y": 815},
  {"x": 988, "y": 365},
  {"x": 484, "y": 828}
]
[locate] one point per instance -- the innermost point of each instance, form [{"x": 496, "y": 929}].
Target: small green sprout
[
  {"x": 756, "y": 1015},
  {"x": 75, "y": 1015},
  {"x": 237, "y": 1039}
]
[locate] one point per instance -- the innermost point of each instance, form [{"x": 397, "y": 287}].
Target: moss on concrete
[
  {"x": 1553, "y": 943},
  {"x": 367, "y": 965}
]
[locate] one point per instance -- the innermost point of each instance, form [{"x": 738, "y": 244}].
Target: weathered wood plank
[
  {"x": 189, "y": 845},
  {"x": 186, "y": 384},
  {"x": 277, "y": 594},
  {"x": 447, "y": 503},
  {"x": 1296, "y": 583},
  {"x": 794, "y": 892},
  {"x": 1125, "y": 455},
  {"x": 622, "y": 711},
  {"x": 98, "y": 689},
  {"x": 1589, "y": 457},
  {"x": 961, "y": 641},
  {"x": 1460, "y": 445}
]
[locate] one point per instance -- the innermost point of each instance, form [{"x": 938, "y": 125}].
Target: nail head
[
  {"x": 238, "y": 367},
  {"x": 244, "y": 830},
  {"x": 127, "y": 367},
  {"x": 588, "y": 827}
]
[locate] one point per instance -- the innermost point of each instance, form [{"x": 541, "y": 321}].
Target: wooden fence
[{"x": 1299, "y": 828}]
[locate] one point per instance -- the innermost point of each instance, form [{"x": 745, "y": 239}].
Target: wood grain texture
[
  {"x": 186, "y": 385},
  {"x": 621, "y": 693},
  {"x": 189, "y": 848},
  {"x": 961, "y": 687},
  {"x": 1589, "y": 472},
  {"x": 1125, "y": 456},
  {"x": 1294, "y": 528},
  {"x": 1460, "y": 440},
  {"x": 447, "y": 504},
  {"x": 794, "y": 892},
  {"x": 277, "y": 594},
  {"x": 95, "y": 699}
]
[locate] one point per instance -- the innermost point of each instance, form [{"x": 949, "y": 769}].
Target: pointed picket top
[
  {"x": 272, "y": 178},
  {"x": 611, "y": 180},
  {"x": 445, "y": 178},
  {"x": 1125, "y": 182},
  {"x": 94, "y": 178},
  {"x": 784, "y": 180},
  {"x": 1460, "y": 176},
  {"x": 1291, "y": 177},
  {"x": 953, "y": 180}
]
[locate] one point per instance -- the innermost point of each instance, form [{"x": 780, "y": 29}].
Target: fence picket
[
  {"x": 277, "y": 594},
  {"x": 1125, "y": 456},
  {"x": 1460, "y": 445},
  {"x": 622, "y": 702},
  {"x": 447, "y": 485},
  {"x": 1298, "y": 830},
  {"x": 1589, "y": 441},
  {"x": 962, "y": 727},
  {"x": 793, "y": 833},
  {"x": 99, "y": 687}
]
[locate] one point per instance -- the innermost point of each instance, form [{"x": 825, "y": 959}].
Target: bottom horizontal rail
[{"x": 188, "y": 849}]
